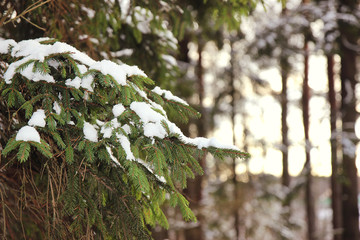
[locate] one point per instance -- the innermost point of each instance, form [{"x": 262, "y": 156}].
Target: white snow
[
  {"x": 125, "y": 7},
  {"x": 28, "y": 134},
  {"x": 29, "y": 47},
  {"x": 38, "y": 118},
  {"x": 90, "y": 132},
  {"x": 112, "y": 157},
  {"x": 121, "y": 53},
  {"x": 60, "y": 47},
  {"x": 119, "y": 72},
  {"x": 29, "y": 74},
  {"x": 153, "y": 128},
  {"x": 76, "y": 82},
  {"x": 143, "y": 18},
  {"x": 54, "y": 64},
  {"x": 57, "y": 108},
  {"x": 126, "y": 128},
  {"x": 125, "y": 144},
  {"x": 107, "y": 129},
  {"x": 86, "y": 82},
  {"x": 168, "y": 95},
  {"x": 132, "y": 70},
  {"x": 108, "y": 67},
  {"x": 90, "y": 12},
  {"x": 118, "y": 109},
  {"x": 148, "y": 167},
  {"x": 201, "y": 142},
  {"x": 5, "y": 44},
  {"x": 100, "y": 123},
  {"x": 83, "y": 36},
  {"x": 167, "y": 37},
  {"x": 36, "y": 76},
  {"x": 169, "y": 59},
  {"x": 33, "y": 50},
  {"x": 71, "y": 123},
  {"x": 150, "y": 118},
  {"x": 82, "y": 68},
  {"x": 39, "y": 51}
]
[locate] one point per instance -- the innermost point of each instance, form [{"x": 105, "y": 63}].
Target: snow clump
[
  {"x": 28, "y": 134},
  {"x": 38, "y": 119}
]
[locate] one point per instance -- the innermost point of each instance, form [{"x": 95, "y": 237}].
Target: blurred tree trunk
[
  {"x": 284, "y": 71},
  {"x": 335, "y": 185},
  {"x": 348, "y": 38},
  {"x": 194, "y": 189},
  {"x": 233, "y": 114},
  {"x": 160, "y": 234},
  {"x": 286, "y": 211},
  {"x": 284, "y": 65},
  {"x": 309, "y": 198}
]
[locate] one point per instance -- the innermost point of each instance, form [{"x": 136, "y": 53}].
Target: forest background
[{"x": 277, "y": 79}]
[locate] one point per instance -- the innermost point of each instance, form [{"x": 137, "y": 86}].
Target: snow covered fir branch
[{"x": 94, "y": 142}]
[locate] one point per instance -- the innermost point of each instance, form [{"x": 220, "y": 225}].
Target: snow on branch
[{"x": 33, "y": 61}]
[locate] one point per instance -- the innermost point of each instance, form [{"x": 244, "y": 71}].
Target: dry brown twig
[{"x": 30, "y": 8}]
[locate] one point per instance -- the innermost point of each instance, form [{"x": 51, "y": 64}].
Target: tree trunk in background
[
  {"x": 348, "y": 36},
  {"x": 335, "y": 185},
  {"x": 309, "y": 198},
  {"x": 194, "y": 189},
  {"x": 233, "y": 114},
  {"x": 349, "y": 115},
  {"x": 284, "y": 126},
  {"x": 284, "y": 71},
  {"x": 200, "y": 78},
  {"x": 160, "y": 234}
]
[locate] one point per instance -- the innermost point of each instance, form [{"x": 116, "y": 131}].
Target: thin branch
[
  {"x": 53, "y": 203},
  {"x": 27, "y": 10},
  {"x": 41, "y": 28},
  {"x": 7, "y": 14},
  {"x": 4, "y": 214}
]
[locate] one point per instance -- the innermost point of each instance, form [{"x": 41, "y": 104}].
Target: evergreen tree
[
  {"x": 87, "y": 148},
  {"x": 133, "y": 31}
]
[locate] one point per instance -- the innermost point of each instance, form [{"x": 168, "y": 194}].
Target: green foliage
[{"x": 99, "y": 174}]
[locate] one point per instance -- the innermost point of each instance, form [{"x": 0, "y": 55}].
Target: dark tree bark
[
  {"x": 284, "y": 127},
  {"x": 284, "y": 71},
  {"x": 335, "y": 185},
  {"x": 160, "y": 234},
  {"x": 348, "y": 37},
  {"x": 349, "y": 115},
  {"x": 309, "y": 198}
]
